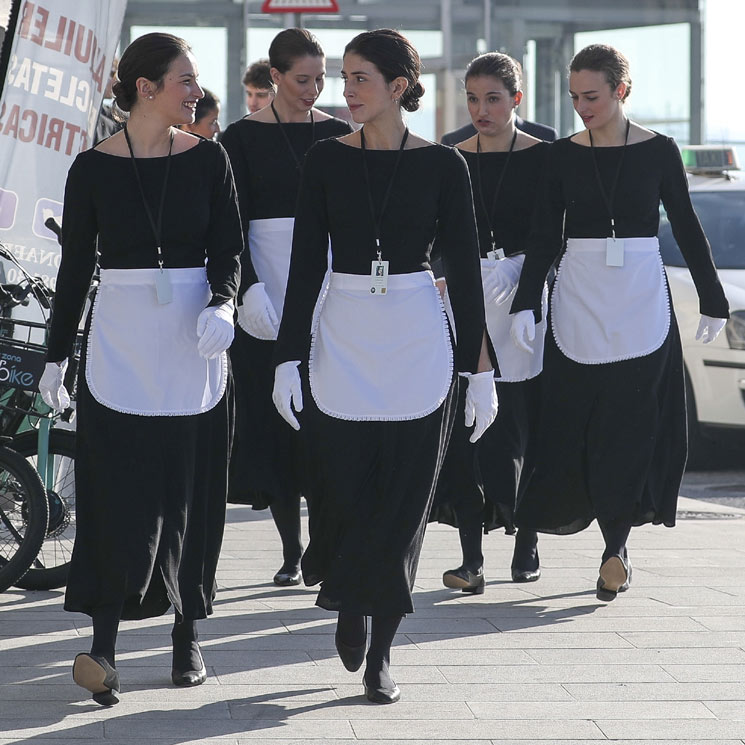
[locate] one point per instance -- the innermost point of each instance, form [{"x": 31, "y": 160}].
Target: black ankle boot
[
  {"x": 526, "y": 566},
  {"x": 188, "y": 667},
  {"x": 379, "y": 686}
]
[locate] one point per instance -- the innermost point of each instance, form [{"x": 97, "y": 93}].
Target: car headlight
[{"x": 735, "y": 329}]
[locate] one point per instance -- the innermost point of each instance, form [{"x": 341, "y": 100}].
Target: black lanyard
[
  {"x": 156, "y": 226},
  {"x": 608, "y": 198},
  {"x": 377, "y": 221},
  {"x": 298, "y": 162},
  {"x": 496, "y": 191}
]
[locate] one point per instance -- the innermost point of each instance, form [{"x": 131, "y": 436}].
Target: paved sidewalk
[{"x": 540, "y": 663}]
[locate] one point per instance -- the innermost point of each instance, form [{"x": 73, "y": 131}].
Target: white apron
[
  {"x": 270, "y": 245},
  {"x": 380, "y": 358},
  {"x": 515, "y": 364},
  {"x": 142, "y": 357},
  {"x": 603, "y": 313}
]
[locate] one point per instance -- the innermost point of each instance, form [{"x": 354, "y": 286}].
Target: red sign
[{"x": 298, "y": 6}]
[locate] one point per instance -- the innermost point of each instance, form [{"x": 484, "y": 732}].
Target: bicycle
[{"x": 29, "y": 422}]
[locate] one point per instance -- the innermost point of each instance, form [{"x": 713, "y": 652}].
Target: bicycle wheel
[
  {"x": 51, "y": 566},
  {"x": 24, "y": 512}
]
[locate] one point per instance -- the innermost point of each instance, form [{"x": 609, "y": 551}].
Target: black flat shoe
[
  {"x": 351, "y": 657},
  {"x": 95, "y": 674},
  {"x": 287, "y": 576},
  {"x": 615, "y": 577},
  {"x": 526, "y": 575},
  {"x": 188, "y": 665},
  {"x": 465, "y": 580},
  {"x": 521, "y": 574},
  {"x": 380, "y": 694}
]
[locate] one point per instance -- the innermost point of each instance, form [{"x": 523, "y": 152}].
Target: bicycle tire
[
  {"x": 50, "y": 568},
  {"x": 24, "y": 513}
]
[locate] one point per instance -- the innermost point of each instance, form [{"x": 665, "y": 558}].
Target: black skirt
[
  {"x": 610, "y": 442},
  {"x": 150, "y": 499},
  {"x": 267, "y": 462},
  {"x": 480, "y": 479},
  {"x": 370, "y": 491}
]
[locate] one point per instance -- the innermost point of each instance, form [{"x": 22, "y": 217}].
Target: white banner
[{"x": 60, "y": 63}]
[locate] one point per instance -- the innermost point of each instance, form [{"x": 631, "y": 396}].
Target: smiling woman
[{"x": 154, "y": 388}]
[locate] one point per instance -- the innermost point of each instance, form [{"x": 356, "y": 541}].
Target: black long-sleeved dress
[
  {"x": 267, "y": 462},
  {"x": 611, "y": 439},
  {"x": 478, "y": 483},
  {"x": 371, "y": 482},
  {"x": 150, "y": 490}
]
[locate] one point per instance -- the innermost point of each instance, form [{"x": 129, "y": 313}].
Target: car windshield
[{"x": 722, "y": 214}]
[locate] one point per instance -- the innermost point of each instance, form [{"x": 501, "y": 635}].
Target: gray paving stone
[
  {"x": 563, "y": 710},
  {"x": 413, "y": 656},
  {"x": 555, "y": 674},
  {"x": 321, "y": 675},
  {"x": 484, "y": 729},
  {"x": 695, "y": 655},
  {"x": 706, "y": 673},
  {"x": 658, "y": 640},
  {"x": 354, "y": 708},
  {"x": 694, "y": 730},
  {"x": 518, "y": 640},
  {"x": 494, "y": 693},
  {"x": 727, "y": 709},
  {"x": 656, "y": 691}
]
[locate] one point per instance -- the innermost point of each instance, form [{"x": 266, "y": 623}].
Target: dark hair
[
  {"x": 206, "y": 104},
  {"x": 395, "y": 57},
  {"x": 148, "y": 56},
  {"x": 606, "y": 59},
  {"x": 497, "y": 65},
  {"x": 258, "y": 75},
  {"x": 291, "y": 44}
]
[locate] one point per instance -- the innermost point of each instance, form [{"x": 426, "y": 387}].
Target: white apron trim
[
  {"x": 515, "y": 364},
  {"x": 380, "y": 358},
  {"x": 601, "y": 313},
  {"x": 270, "y": 246},
  {"x": 141, "y": 356}
]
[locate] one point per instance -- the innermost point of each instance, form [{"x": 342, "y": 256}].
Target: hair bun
[
  {"x": 410, "y": 98},
  {"x": 122, "y": 97}
]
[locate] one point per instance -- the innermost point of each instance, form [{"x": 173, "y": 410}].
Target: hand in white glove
[
  {"x": 215, "y": 330},
  {"x": 256, "y": 314},
  {"x": 481, "y": 402},
  {"x": 497, "y": 287},
  {"x": 288, "y": 392},
  {"x": 709, "y": 328},
  {"x": 52, "y": 386},
  {"x": 522, "y": 330}
]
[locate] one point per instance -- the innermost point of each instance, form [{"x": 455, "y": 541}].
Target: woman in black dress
[
  {"x": 611, "y": 440},
  {"x": 478, "y": 485},
  {"x": 266, "y": 150},
  {"x": 376, "y": 353},
  {"x": 154, "y": 407}
]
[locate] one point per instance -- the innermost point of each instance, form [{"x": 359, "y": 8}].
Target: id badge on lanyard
[
  {"x": 379, "y": 277},
  {"x": 614, "y": 251},
  {"x": 495, "y": 254},
  {"x": 163, "y": 289}
]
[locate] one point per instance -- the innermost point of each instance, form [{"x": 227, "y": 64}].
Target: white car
[{"x": 715, "y": 372}]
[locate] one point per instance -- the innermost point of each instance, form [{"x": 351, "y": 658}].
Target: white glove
[
  {"x": 709, "y": 328},
  {"x": 522, "y": 329},
  {"x": 215, "y": 330},
  {"x": 481, "y": 402},
  {"x": 52, "y": 386},
  {"x": 256, "y": 314},
  {"x": 288, "y": 391}
]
